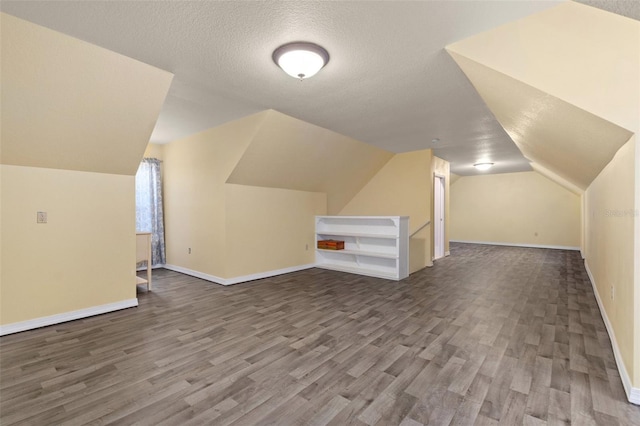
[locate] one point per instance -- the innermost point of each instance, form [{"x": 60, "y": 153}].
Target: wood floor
[{"x": 490, "y": 335}]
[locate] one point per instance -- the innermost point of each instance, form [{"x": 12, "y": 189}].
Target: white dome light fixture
[
  {"x": 483, "y": 166},
  {"x": 301, "y": 59}
]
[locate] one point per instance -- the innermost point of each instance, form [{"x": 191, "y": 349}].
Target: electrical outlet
[
  {"x": 612, "y": 293},
  {"x": 189, "y": 250},
  {"x": 41, "y": 217}
]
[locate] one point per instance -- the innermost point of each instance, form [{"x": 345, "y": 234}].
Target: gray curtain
[{"x": 149, "y": 216}]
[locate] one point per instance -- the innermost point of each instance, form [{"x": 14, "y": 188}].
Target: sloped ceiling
[
  {"x": 628, "y": 8},
  {"x": 292, "y": 154},
  {"x": 560, "y": 137},
  {"x": 584, "y": 56},
  {"x": 389, "y": 82},
  {"x": 557, "y": 178},
  {"x": 67, "y": 104},
  {"x": 564, "y": 83}
]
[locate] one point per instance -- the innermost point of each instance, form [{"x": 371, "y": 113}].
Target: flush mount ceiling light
[
  {"x": 301, "y": 59},
  {"x": 483, "y": 166}
]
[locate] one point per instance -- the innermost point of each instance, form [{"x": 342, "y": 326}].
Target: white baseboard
[
  {"x": 633, "y": 394},
  {"x": 144, "y": 268},
  {"x": 196, "y": 274},
  {"x": 447, "y": 253},
  {"x": 240, "y": 279},
  {"x": 493, "y": 243},
  {"x": 67, "y": 316}
]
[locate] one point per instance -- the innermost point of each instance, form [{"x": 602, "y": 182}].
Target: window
[{"x": 149, "y": 217}]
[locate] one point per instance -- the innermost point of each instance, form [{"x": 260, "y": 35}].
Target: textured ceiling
[
  {"x": 389, "y": 82},
  {"x": 628, "y": 8}
]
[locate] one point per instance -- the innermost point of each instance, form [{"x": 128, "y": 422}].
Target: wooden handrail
[{"x": 420, "y": 228}]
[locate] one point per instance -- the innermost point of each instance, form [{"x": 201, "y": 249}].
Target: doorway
[{"x": 438, "y": 217}]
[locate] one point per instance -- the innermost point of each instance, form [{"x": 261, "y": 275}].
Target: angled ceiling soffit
[
  {"x": 587, "y": 57},
  {"x": 219, "y": 148},
  {"x": 557, "y": 179},
  {"x": 292, "y": 154},
  {"x": 569, "y": 142},
  {"x": 67, "y": 104}
]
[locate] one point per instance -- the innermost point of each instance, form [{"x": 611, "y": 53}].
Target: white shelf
[
  {"x": 357, "y": 234},
  {"x": 359, "y": 271},
  {"x": 362, "y": 253},
  {"x": 376, "y": 246}
]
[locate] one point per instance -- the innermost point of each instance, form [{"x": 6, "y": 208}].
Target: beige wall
[
  {"x": 195, "y": 171},
  {"x": 403, "y": 187},
  {"x": 516, "y": 208},
  {"x": 82, "y": 258},
  {"x": 75, "y": 121},
  {"x": 232, "y": 230},
  {"x": 609, "y": 220},
  {"x": 270, "y": 228}
]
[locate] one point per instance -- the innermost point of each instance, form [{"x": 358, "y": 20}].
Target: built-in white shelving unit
[{"x": 376, "y": 246}]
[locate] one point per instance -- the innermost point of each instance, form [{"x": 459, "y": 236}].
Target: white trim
[
  {"x": 196, "y": 274},
  {"x": 493, "y": 243},
  {"x": 268, "y": 274},
  {"x": 439, "y": 214},
  {"x": 66, "y": 316},
  {"x": 240, "y": 279},
  {"x": 633, "y": 394},
  {"x": 447, "y": 253},
  {"x": 144, "y": 268}
]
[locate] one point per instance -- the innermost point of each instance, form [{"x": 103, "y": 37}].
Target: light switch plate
[{"x": 42, "y": 217}]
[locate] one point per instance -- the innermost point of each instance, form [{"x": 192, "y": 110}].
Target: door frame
[{"x": 439, "y": 215}]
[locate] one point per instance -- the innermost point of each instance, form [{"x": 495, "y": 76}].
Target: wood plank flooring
[{"x": 488, "y": 336}]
